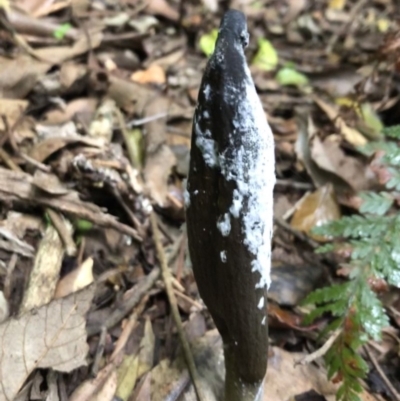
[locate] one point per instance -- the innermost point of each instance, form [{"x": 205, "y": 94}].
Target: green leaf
[
  {"x": 289, "y": 76},
  {"x": 266, "y": 58},
  {"x": 394, "y": 181},
  {"x": 83, "y": 225},
  {"x": 207, "y": 42},
  {"x": 61, "y": 31},
  {"x": 393, "y": 132},
  {"x": 376, "y": 203}
]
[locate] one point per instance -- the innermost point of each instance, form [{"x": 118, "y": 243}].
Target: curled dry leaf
[
  {"x": 316, "y": 209},
  {"x": 54, "y": 336},
  {"x": 78, "y": 279},
  {"x": 329, "y": 156}
]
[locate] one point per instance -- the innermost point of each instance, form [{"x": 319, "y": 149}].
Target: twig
[
  {"x": 99, "y": 352},
  {"x": 145, "y": 120},
  {"x": 139, "y": 292},
  {"x": 60, "y": 224},
  {"x": 294, "y": 184},
  {"x": 128, "y": 143},
  {"x": 352, "y": 17},
  {"x": 319, "y": 352},
  {"x": 174, "y": 308},
  {"x": 389, "y": 385},
  {"x": 298, "y": 234}
]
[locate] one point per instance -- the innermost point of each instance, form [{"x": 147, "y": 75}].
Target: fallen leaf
[
  {"x": 329, "y": 156},
  {"x": 4, "y": 308},
  {"x": 45, "y": 271},
  {"x": 19, "y": 75},
  {"x": 153, "y": 75},
  {"x": 266, "y": 58},
  {"x": 106, "y": 393},
  {"x": 207, "y": 42},
  {"x": 76, "y": 280},
  {"x": 307, "y": 133},
  {"x": 289, "y": 76},
  {"x": 17, "y": 187},
  {"x": 285, "y": 380},
  {"x": 79, "y": 108},
  {"x": 316, "y": 209},
  {"x": 53, "y": 336},
  {"x": 12, "y": 109},
  {"x": 350, "y": 134}
]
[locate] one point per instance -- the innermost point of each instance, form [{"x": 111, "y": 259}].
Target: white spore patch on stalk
[
  {"x": 186, "y": 197},
  {"x": 224, "y": 224},
  {"x": 263, "y": 321},
  {"x": 251, "y": 165},
  {"x": 207, "y": 146},
  {"x": 261, "y": 303},
  {"x": 207, "y": 92},
  {"x": 223, "y": 256}
]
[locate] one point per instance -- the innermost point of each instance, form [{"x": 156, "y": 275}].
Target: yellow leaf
[{"x": 337, "y": 4}]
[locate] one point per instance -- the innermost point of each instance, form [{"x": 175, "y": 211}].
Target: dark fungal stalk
[{"x": 229, "y": 209}]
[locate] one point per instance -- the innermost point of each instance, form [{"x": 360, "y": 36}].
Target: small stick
[
  {"x": 320, "y": 351},
  {"x": 389, "y": 385},
  {"x": 174, "y": 308}
]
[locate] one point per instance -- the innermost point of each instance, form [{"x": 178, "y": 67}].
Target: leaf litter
[{"x": 95, "y": 123}]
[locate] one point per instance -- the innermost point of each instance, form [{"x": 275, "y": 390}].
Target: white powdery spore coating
[
  {"x": 224, "y": 224},
  {"x": 207, "y": 92},
  {"x": 223, "y": 256},
  {"x": 253, "y": 170},
  {"x": 261, "y": 303},
  {"x": 207, "y": 146},
  {"x": 263, "y": 321},
  {"x": 186, "y": 197}
]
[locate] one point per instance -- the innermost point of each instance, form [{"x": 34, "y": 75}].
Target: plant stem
[{"x": 236, "y": 389}]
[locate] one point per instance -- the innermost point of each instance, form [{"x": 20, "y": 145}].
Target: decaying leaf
[
  {"x": 78, "y": 279},
  {"x": 18, "y": 186},
  {"x": 350, "y": 134},
  {"x": 45, "y": 272},
  {"x": 53, "y": 336},
  {"x": 316, "y": 209},
  {"x": 153, "y": 75}
]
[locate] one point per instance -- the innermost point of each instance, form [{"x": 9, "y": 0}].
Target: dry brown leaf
[
  {"x": 161, "y": 7},
  {"x": 106, "y": 393},
  {"x": 78, "y": 279},
  {"x": 153, "y": 75},
  {"x": 80, "y": 107},
  {"x": 329, "y": 156},
  {"x": 54, "y": 336},
  {"x": 350, "y": 134},
  {"x": 19, "y": 75},
  {"x": 49, "y": 183},
  {"x": 12, "y": 109},
  {"x": 285, "y": 380},
  {"x": 17, "y": 187},
  {"x": 45, "y": 272},
  {"x": 59, "y": 54},
  {"x": 307, "y": 133},
  {"x": 45, "y": 148},
  {"x": 130, "y": 96},
  {"x": 316, "y": 209}
]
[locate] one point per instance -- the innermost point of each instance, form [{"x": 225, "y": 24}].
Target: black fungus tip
[{"x": 234, "y": 24}]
